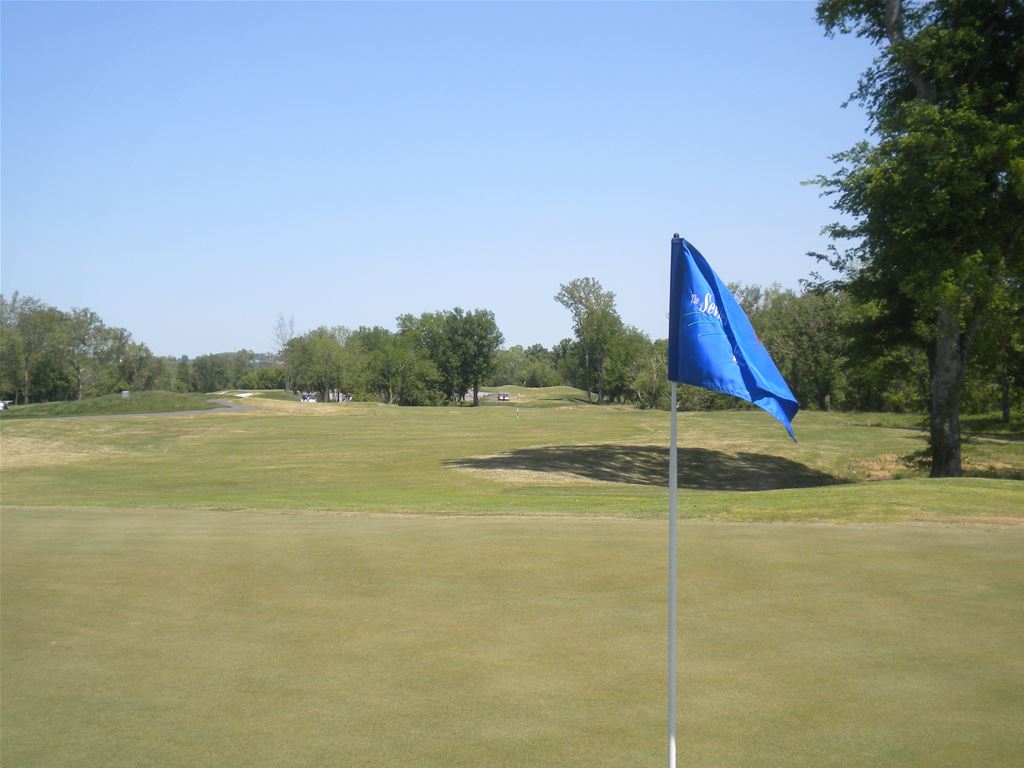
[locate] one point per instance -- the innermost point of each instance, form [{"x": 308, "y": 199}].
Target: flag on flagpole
[{"x": 711, "y": 343}]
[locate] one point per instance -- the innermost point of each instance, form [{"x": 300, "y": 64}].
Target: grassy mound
[
  {"x": 534, "y": 396},
  {"x": 111, "y": 405}
]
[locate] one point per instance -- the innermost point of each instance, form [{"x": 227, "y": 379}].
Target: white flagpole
[{"x": 673, "y": 481}]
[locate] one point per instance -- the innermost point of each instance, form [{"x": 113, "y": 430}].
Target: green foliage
[
  {"x": 433, "y": 358},
  {"x": 510, "y": 367},
  {"x": 597, "y": 326},
  {"x": 476, "y": 338},
  {"x": 429, "y": 333},
  {"x": 650, "y": 387},
  {"x": 541, "y": 371},
  {"x": 461, "y": 346},
  {"x": 583, "y": 296},
  {"x": 935, "y": 203},
  {"x": 806, "y": 337},
  {"x": 319, "y": 361},
  {"x": 47, "y": 354},
  {"x": 210, "y": 373},
  {"x": 530, "y": 367},
  {"x": 636, "y": 369},
  {"x": 391, "y": 369}
]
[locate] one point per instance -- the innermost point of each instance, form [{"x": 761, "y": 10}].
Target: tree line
[
  {"x": 435, "y": 358},
  {"x": 49, "y": 354},
  {"x": 815, "y": 337}
]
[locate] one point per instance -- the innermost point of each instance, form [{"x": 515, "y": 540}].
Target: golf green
[{"x": 215, "y": 638}]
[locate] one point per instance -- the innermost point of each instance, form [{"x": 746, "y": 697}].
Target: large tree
[
  {"x": 478, "y": 339},
  {"x": 597, "y": 326},
  {"x": 935, "y": 199},
  {"x": 284, "y": 332},
  {"x": 34, "y": 341},
  {"x": 997, "y": 369},
  {"x": 84, "y": 345},
  {"x": 461, "y": 344},
  {"x": 429, "y": 334},
  {"x": 105, "y": 359},
  {"x": 47, "y": 354},
  {"x": 210, "y": 373},
  {"x": 319, "y": 361},
  {"x": 392, "y": 369}
]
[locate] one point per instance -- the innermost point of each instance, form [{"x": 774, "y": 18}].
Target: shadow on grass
[
  {"x": 973, "y": 437},
  {"x": 699, "y": 468},
  {"x": 995, "y": 473},
  {"x": 992, "y": 425}
]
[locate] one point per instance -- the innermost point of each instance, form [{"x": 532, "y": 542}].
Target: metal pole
[{"x": 673, "y": 482}]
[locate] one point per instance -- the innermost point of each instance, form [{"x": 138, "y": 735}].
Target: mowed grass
[
  {"x": 212, "y": 638},
  {"x": 309, "y": 585},
  {"x": 108, "y": 405},
  {"x": 512, "y": 458}
]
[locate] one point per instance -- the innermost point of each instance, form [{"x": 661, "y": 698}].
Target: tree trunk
[{"x": 947, "y": 374}]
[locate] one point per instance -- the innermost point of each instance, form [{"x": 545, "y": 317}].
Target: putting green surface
[{"x": 212, "y": 638}]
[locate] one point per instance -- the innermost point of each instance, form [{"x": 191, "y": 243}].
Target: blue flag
[{"x": 711, "y": 343}]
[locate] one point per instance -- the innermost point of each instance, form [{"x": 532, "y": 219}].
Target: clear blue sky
[{"x": 192, "y": 170}]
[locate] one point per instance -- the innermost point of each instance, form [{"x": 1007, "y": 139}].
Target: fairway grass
[
  {"x": 213, "y": 638},
  {"x": 503, "y": 459},
  {"x": 322, "y": 584}
]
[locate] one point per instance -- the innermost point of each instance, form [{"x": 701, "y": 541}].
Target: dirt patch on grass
[
  {"x": 527, "y": 476},
  {"x": 998, "y": 470},
  {"x": 23, "y": 452},
  {"x": 294, "y": 407},
  {"x": 885, "y": 466}
]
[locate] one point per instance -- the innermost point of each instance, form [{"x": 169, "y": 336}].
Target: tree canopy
[{"x": 935, "y": 199}]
